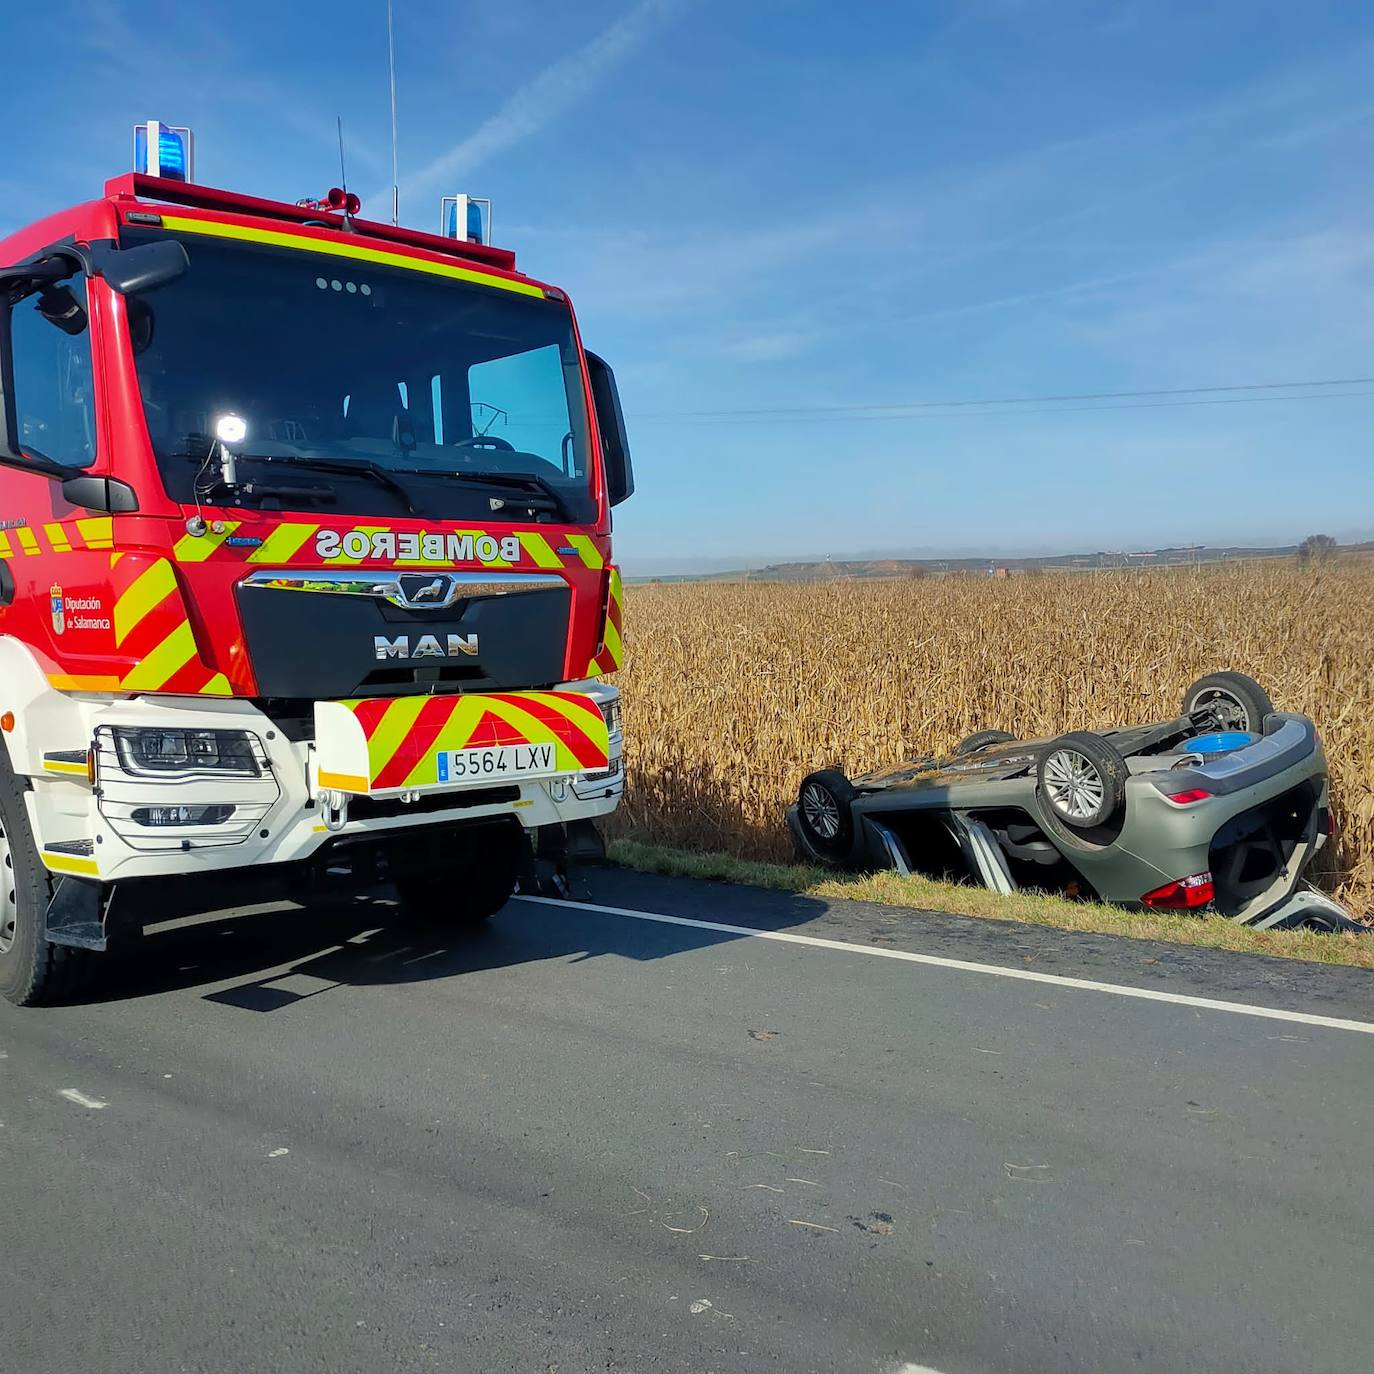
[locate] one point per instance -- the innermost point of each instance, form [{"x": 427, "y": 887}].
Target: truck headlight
[{"x": 146, "y": 749}]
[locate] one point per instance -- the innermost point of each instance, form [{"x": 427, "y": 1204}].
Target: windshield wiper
[
  {"x": 551, "y": 501},
  {"x": 353, "y": 467}
]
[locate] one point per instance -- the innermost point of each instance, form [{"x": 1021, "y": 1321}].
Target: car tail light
[
  {"x": 1193, "y": 794},
  {"x": 1184, "y": 895}
]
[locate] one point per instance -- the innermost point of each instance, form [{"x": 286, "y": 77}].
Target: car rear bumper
[{"x": 1257, "y": 817}]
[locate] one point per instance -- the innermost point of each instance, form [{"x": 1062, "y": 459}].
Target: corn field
[{"x": 733, "y": 691}]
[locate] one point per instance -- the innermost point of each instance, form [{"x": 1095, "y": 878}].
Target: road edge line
[{"x": 968, "y": 966}]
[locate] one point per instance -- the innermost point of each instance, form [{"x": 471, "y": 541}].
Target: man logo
[
  {"x": 432, "y": 591},
  {"x": 427, "y": 646}
]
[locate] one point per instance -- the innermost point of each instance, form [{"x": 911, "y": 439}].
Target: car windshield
[{"x": 463, "y": 394}]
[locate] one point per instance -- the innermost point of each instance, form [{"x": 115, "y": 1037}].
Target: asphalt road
[{"x": 329, "y": 1140}]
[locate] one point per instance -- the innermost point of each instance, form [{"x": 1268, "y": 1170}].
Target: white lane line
[
  {"x": 967, "y": 966},
  {"x": 81, "y": 1100}
]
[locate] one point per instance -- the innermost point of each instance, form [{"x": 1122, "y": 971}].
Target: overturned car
[{"x": 1222, "y": 808}]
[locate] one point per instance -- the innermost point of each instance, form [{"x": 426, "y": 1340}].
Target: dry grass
[
  {"x": 1032, "y": 908},
  {"x": 734, "y": 691}
]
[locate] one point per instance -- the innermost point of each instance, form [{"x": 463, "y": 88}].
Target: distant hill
[{"x": 817, "y": 570}]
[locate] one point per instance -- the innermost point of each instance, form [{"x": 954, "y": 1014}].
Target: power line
[{"x": 902, "y": 409}]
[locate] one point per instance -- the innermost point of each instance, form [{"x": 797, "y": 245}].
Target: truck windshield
[{"x": 467, "y": 397}]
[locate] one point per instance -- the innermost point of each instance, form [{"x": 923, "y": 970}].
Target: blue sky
[{"x": 806, "y": 209}]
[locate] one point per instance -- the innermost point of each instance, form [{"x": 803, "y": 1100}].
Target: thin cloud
[{"x": 560, "y": 85}]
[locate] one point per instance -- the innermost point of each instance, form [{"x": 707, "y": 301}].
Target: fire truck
[{"x": 305, "y": 562}]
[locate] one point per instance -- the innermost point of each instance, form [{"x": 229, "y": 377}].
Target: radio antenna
[
  {"x": 343, "y": 175},
  {"x": 391, "y": 62}
]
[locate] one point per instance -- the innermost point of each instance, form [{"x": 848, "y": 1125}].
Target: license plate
[{"x": 499, "y": 763}]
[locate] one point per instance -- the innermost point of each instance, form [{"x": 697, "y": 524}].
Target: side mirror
[
  {"x": 133, "y": 270},
  {"x": 100, "y": 493},
  {"x": 610, "y": 421}
]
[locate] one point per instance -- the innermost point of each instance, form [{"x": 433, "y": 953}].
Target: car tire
[
  {"x": 824, "y": 812},
  {"x": 471, "y": 887},
  {"x": 32, "y": 970},
  {"x": 973, "y": 743},
  {"x": 1240, "y": 699},
  {"x": 1082, "y": 780}
]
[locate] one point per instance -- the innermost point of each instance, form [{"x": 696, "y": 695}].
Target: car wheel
[
  {"x": 1238, "y": 702},
  {"x": 824, "y": 812},
  {"x": 1082, "y": 780},
  {"x": 981, "y": 740}
]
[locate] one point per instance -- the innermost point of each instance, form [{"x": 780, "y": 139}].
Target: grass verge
[{"x": 925, "y": 894}]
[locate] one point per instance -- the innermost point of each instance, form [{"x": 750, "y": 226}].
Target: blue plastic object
[
  {"x": 1221, "y": 743},
  {"x": 171, "y": 155},
  {"x": 473, "y": 232}
]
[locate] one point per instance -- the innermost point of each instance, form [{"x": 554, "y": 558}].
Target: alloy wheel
[
  {"x": 821, "y": 810},
  {"x": 1074, "y": 785}
]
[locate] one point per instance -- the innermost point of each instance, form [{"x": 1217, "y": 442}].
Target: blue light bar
[
  {"x": 466, "y": 210},
  {"x": 162, "y": 150}
]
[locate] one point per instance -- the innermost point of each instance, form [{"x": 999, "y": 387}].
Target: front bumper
[{"x": 281, "y": 814}]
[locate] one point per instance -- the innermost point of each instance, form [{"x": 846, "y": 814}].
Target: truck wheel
[
  {"x": 1082, "y": 780},
  {"x": 470, "y": 888},
  {"x": 823, "y": 812},
  {"x": 981, "y": 740},
  {"x": 1237, "y": 701},
  {"x": 32, "y": 971}
]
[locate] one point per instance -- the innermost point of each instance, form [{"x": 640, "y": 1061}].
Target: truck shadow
[{"x": 273, "y": 955}]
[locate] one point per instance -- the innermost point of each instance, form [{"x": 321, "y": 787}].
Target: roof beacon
[
  {"x": 161, "y": 150},
  {"x": 467, "y": 211}
]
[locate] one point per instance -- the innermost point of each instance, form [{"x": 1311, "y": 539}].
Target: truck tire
[
  {"x": 470, "y": 887},
  {"x": 1238, "y": 701},
  {"x": 32, "y": 970}
]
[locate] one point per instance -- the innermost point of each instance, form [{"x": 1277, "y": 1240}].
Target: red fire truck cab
[{"x": 304, "y": 561}]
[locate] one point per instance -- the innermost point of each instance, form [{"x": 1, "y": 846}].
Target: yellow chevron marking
[
  {"x": 593, "y": 727},
  {"x": 339, "y": 249},
  {"x": 27, "y": 541},
  {"x": 148, "y": 590},
  {"x": 348, "y": 562},
  {"x": 71, "y": 863},
  {"x": 392, "y": 730},
  {"x": 97, "y": 531},
  {"x": 457, "y": 734},
  {"x": 154, "y": 669},
  {"x": 57, "y": 537},
  {"x": 538, "y": 549},
  {"x": 282, "y": 543},
  {"x": 587, "y": 551},
  {"x": 5, "y": 550},
  {"x": 197, "y": 548},
  {"x": 218, "y": 686},
  {"x": 612, "y": 642}
]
